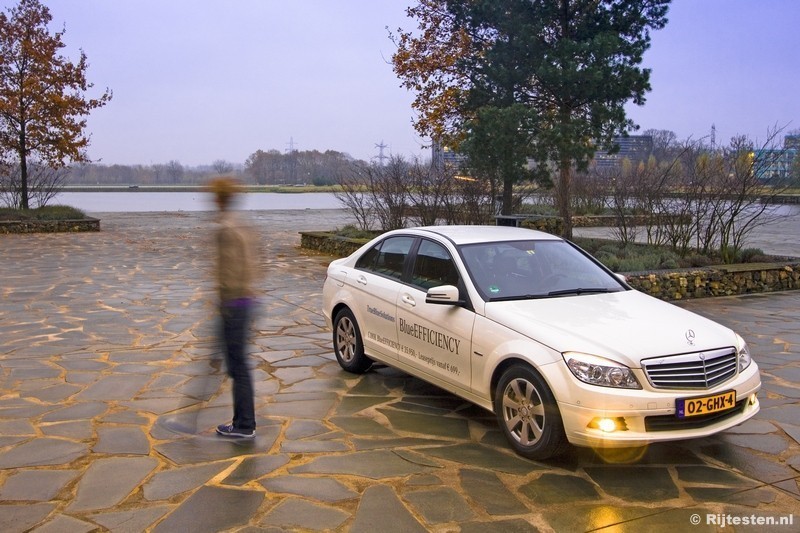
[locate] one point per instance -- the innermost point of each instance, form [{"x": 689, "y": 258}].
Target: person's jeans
[{"x": 235, "y": 320}]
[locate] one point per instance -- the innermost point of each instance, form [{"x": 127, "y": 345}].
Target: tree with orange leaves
[
  {"x": 512, "y": 81},
  {"x": 42, "y": 95}
]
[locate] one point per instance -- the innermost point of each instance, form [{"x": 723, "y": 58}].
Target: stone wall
[
  {"x": 50, "y": 226},
  {"x": 726, "y": 280},
  {"x": 723, "y": 280}
]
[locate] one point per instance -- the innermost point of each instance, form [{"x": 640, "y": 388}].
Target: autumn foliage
[{"x": 43, "y": 103}]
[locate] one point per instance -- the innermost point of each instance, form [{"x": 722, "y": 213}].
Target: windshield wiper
[
  {"x": 580, "y": 290},
  {"x": 518, "y": 297},
  {"x": 552, "y": 294}
]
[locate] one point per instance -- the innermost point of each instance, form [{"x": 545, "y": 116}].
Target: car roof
[{"x": 476, "y": 234}]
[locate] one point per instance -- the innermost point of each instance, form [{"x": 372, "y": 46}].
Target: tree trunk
[
  {"x": 564, "y": 198},
  {"x": 508, "y": 195},
  {"x": 23, "y": 176}
]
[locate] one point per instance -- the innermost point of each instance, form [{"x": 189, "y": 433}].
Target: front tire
[
  {"x": 347, "y": 343},
  {"x": 528, "y": 415}
]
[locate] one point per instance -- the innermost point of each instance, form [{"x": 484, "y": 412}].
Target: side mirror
[
  {"x": 622, "y": 277},
  {"x": 444, "y": 294}
]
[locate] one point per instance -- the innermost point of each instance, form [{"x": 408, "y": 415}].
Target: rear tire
[
  {"x": 528, "y": 415},
  {"x": 347, "y": 343}
]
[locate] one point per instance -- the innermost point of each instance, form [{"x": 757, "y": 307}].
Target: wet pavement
[{"x": 110, "y": 385}]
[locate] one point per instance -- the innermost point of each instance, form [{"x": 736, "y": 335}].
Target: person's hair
[{"x": 224, "y": 189}]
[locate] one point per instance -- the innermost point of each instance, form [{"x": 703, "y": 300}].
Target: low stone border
[
  {"x": 722, "y": 280},
  {"x": 49, "y": 226}
]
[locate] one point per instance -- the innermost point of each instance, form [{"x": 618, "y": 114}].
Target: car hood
[{"x": 624, "y": 326}]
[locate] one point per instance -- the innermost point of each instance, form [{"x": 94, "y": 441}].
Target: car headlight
[
  {"x": 599, "y": 371},
  {"x": 743, "y": 353}
]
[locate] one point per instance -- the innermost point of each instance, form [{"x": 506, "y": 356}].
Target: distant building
[
  {"x": 776, "y": 165},
  {"x": 632, "y": 147},
  {"x": 445, "y": 156}
]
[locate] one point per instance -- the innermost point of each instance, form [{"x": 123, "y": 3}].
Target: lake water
[
  {"x": 780, "y": 237},
  {"x": 128, "y": 202}
]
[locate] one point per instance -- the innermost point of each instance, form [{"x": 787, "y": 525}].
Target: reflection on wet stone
[
  {"x": 42, "y": 451},
  {"x": 381, "y": 510},
  {"x": 130, "y": 521},
  {"x": 322, "y": 489},
  {"x": 551, "y": 489},
  {"x": 108, "y": 481},
  {"x": 212, "y": 509},
  {"x": 253, "y": 468},
  {"x": 499, "y": 526},
  {"x": 370, "y": 464},
  {"x": 441, "y": 504},
  {"x": 294, "y": 512},
  {"x": 489, "y": 492},
  {"x": 36, "y": 485},
  {"x": 165, "y": 485},
  {"x": 635, "y": 484},
  {"x": 438, "y": 426}
]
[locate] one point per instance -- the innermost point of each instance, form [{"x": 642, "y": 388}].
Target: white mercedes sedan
[{"x": 531, "y": 327}]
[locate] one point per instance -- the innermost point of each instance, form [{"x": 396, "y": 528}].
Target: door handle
[
  {"x": 408, "y": 300},
  {"x": 362, "y": 280}
]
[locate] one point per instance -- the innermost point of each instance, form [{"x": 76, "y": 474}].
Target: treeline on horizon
[{"x": 270, "y": 167}]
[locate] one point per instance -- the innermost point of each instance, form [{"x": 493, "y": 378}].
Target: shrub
[
  {"x": 352, "y": 232},
  {"x": 751, "y": 255},
  {"x": 50, "y": 212}
]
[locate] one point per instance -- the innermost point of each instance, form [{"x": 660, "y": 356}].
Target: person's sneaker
[{"x": 227, "y": 430}]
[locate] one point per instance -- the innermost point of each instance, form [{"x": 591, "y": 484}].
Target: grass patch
[{"x": 49, "y": 212}]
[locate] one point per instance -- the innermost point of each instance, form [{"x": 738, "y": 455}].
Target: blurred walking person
[{"x": 237, "y": 268}]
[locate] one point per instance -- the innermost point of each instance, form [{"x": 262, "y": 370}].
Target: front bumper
[{"x": 643, "y": 417}]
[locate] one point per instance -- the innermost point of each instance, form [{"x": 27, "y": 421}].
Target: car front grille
[{"x": 699, "y": 370}]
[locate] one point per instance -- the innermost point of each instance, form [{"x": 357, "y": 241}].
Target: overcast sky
[{"x": 201, "y": 80}]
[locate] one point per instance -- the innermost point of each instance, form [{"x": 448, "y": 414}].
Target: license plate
[{"x": 704, "y": 405}]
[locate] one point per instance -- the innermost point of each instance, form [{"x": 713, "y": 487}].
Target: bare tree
[
  {"x": 588, "y": 193},
  {"x": 221, "y": 166},
  {"x": 472, "y": 201},
  {"x": 44, "y": 183},
  {"x": 355, "y": 195},
  {"x": 747, "y": 199},
  {"x": 623, "y": 196},
  {"x": 429, "y": 186},
  {"x": 665, "y": 144},
  {"x": 174, "y": 171},
  {"x": 389, "y": 186}
]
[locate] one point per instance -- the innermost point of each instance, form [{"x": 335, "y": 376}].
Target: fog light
[
  {"x": 608, "y": 425},
  {"x": 752, "y": 399}
]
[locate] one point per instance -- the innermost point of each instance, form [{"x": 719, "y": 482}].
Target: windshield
[{"x": 534, "y": 269}]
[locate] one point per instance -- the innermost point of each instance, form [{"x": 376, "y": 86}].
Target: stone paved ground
[{"x": 110, "y": 382}]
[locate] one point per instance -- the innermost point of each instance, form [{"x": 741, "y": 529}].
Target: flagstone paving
[{"x": 111, "y": 383}]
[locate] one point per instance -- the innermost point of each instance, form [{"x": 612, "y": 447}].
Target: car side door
[
  {"x": 434, "y": 338},
  {"x": 377, "y": 282}
]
